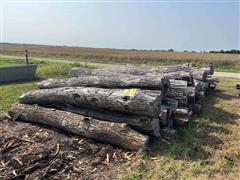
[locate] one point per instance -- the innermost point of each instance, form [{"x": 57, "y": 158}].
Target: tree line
[{"x": 227, "y": 51}]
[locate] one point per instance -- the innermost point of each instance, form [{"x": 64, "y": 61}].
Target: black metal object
[
  {"x": 17, "y": 73},
  {"x": 26, "y": 54}
]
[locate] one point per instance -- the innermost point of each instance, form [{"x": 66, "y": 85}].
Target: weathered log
[
  {"x": 172, "y": 71},
  {"x": 193, "y": 91},
  {"x": 181, "y": 121},
  {"x": 170, "y": 103},
  {"x": 199, "y": 75},
  {"x": 177, "y": 75},
  {"x": 201, "y": 86},
  {"x": 128, "y": 69},
  {"x": 163, "y": 117},
  {"x": 178, "y": 90},
  {"x": 121, "y": 71},
  {"x": 185, "y": 111},
  {"x": 149, "y": 124},
  {"x": 181, "y": 116},
  {"x": 132, "y": 101},
  {"x": 212, "y": 82},
  {"x": 209, "y": 70},
  {"x": 79, "y": 72},
  {"x": 196, "y": 73},
  {"x": 118, "y": 134},
  {"x": 191, "y": 94},
  {"x": 123, "y": 81}
]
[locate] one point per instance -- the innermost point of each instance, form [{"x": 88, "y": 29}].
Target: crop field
[{"x": 223, "y": 62}]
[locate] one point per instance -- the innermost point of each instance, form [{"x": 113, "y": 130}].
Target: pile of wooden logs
[{"x": 123, "y": 106}]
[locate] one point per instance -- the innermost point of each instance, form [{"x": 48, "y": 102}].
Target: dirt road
[
  {"x": 102, "y": 65},
  {"x": 227, "y": 74}
]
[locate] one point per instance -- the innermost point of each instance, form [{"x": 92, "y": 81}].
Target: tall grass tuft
[{"x": 52, "y": 70}]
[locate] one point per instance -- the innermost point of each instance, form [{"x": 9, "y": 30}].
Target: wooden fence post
[{"x": 26, "y": 54}]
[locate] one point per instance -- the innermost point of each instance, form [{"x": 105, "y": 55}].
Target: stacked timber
[{"x": 125, "y": 106}]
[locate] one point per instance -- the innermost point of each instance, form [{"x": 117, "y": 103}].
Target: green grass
[
  {"x": 208, "y": 149},
  {"x": 45, "y": 69},
  {"x": 9, "y": 93},
  {"x": 219, "y": 66},
  {"x": 6, "y": 62},
  {"x": 56, "y": 70}
]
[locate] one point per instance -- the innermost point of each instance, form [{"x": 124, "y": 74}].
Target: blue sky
[{"x": 141, "y": 25}]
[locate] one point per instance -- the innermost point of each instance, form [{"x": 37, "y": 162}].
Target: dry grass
[{"x": 80, "y": 52}]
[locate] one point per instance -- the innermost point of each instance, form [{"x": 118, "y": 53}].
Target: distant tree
[
  {"x": 233, "y": 51},
  {"x": 171, "y": 50}
]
